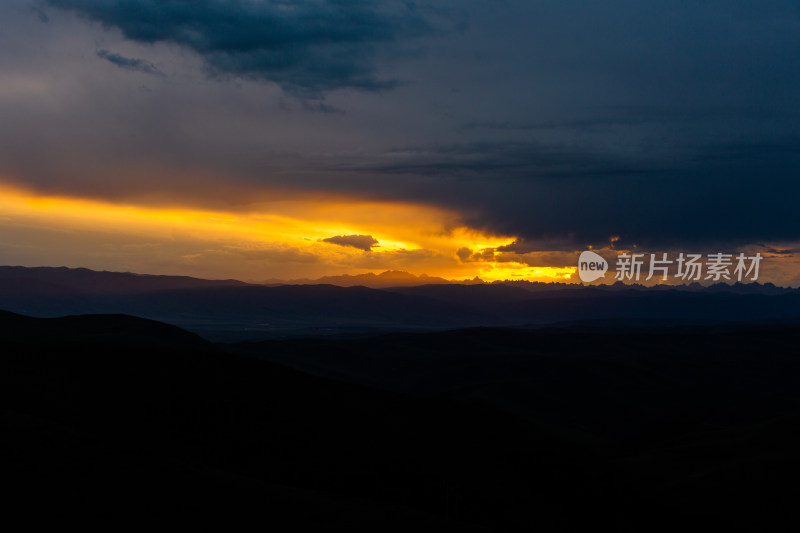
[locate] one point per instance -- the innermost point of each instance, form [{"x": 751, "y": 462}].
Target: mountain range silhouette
[{"x": 234, "y": 310}]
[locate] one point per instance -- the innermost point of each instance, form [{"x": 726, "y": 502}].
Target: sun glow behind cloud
[{"x": 269, "y": 240}]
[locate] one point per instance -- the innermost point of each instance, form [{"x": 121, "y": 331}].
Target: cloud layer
[
  {"x": 130, "y": 63},
  {"x": 362, "y": 242},
  {"x": 558, "y": 123},
  {"x": 307, "y": 47}
]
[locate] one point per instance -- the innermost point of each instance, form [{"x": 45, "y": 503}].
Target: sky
[{"x": 273, "y": 139}]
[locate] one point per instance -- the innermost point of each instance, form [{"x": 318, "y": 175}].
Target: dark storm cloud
[
  {"x": 561, "y": 123},
  {"x": 39, "y": 12},
  {"x": 522, "y": 246},
  {"x": 605, "y": 117},
  {"x": 502, "y": 161},
  {"x": 362, "y": 242},
  {"x": 745, "y": 150},
  {"x": 541, "y": 259},
  {"x": 574, "y": 124},
  {"x": 306, "y": 47},
  {"x": 651, "y": 194},
  {"x": 129, "y": 63}
]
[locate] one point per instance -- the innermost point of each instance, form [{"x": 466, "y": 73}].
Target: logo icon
[{"x": 591, "y": 266}]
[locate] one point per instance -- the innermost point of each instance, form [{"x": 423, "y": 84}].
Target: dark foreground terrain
[{"x": 574, "y": 428}]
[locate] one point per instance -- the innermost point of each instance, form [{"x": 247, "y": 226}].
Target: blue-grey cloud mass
[
  {"x": 558, "y": 121},
  {"x": 309, "y": 46},
  {"x": 130, "y": 63}
]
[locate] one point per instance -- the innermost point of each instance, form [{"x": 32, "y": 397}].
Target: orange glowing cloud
[{"x": 285, "y": 239}]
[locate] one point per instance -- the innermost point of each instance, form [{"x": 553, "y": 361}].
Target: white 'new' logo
[{"x": 591, "y": 266}]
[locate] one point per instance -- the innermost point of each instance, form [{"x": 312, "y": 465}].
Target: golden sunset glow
[
  {"x": 518, "y": 271},
  {"x": 268, "y": 240}
]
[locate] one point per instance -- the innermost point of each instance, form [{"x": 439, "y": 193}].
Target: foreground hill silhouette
[
  {"x": 145, "y": 413},
  {"x": 560, "y": 429}
]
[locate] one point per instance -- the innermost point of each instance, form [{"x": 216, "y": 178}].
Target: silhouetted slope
[
  {"x": 691, "y": 425},
  {"x": 628, "y": 429},
  {"x": 742, "y": 478},
  {"x": 613, "y": 382},
  {"x": 122, "y": 420},
  {"x": 102, "y": 329}
]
